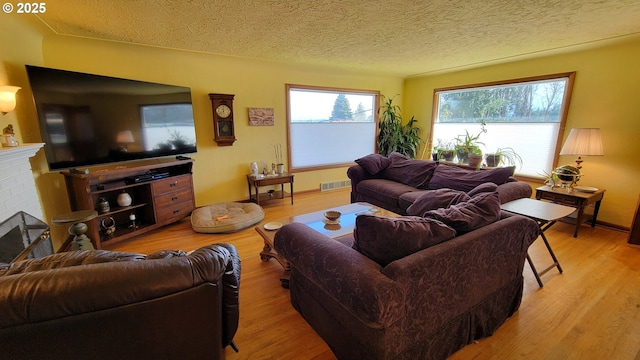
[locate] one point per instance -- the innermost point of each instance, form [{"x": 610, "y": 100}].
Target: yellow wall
[
  {"x": 605, "y": 96},
  {"x": 605, "y": 92},
  {"x": 219, "y": 172}
]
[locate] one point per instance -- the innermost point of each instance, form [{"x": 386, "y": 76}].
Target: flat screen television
[{"x": 88, "y": 119}]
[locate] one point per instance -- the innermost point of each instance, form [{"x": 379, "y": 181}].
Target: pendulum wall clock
[{"x": 224, "y": 133}]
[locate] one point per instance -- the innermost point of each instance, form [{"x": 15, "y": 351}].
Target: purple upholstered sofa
[
  {"x": 396, "y": 182},
  {"x": 368, "y": 300}
]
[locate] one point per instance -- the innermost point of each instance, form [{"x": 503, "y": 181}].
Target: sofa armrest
[
  {"x": 351, "y": 278},
  {"x": 442, "y": 280},
  {"x": 72, "y": 283},
  {"x": 514, "y": 190}
]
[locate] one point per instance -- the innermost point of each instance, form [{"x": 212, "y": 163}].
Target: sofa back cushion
[
  {"x": 373, "y": 163},
  {"x": 453, "y": 177},
  {"x": 385, "y": 239},
  {"x": 481, "y": 210},
  {"x": 415, "y": 173},
  {"x": 435, "y": 199}
]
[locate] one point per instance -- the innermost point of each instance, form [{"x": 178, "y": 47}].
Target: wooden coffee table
[{"x": 316, "y": 221}]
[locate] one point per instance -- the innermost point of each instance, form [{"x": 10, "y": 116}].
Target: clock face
[{"x": 223, "y": 111}]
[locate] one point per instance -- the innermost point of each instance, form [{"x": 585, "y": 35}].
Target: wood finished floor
[{"x": 591, "y": 311}]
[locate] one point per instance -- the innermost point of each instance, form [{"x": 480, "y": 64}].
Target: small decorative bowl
[{"x": 332, "y": 215}]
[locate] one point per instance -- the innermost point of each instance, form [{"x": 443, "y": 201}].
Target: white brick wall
[{"x": 17, "y": 186}]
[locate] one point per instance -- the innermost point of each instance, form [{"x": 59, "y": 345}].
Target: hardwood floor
[{"x": 591, "y": 311}]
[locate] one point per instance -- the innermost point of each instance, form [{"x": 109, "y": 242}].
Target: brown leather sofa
[{"x": 100, "y": 304}]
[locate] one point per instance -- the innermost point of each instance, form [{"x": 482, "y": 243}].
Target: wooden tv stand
[{"x": 156, "y": 201}]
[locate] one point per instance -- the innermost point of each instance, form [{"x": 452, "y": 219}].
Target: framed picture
[{"x": 261, "y": 116}]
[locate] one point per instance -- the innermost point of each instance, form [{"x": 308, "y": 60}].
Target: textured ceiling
[{"x": 401, "y": 37}]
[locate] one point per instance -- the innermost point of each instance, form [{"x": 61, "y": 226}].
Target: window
[
  {"x": 329, "y": 127},
  {"x": 525, "y": 114}
]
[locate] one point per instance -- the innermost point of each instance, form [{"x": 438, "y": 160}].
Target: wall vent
[{"x": 335, "y": 185}]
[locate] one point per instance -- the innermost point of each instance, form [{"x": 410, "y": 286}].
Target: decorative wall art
[{"x": 261, "y": 116}]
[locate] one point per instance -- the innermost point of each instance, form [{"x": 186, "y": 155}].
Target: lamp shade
[
  {"x": 8, "y": 98},
  {"x": 125, "y": 137},
  {"x": 583, "y": 141}
]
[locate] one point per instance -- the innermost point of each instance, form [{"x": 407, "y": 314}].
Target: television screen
[{"x": 90, "y": 119}]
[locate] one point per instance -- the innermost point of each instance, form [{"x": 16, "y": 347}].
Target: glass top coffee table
[{"x": 315, "y": 220}]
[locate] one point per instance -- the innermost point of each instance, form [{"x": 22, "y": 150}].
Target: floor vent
[{"x": 335, "y": 185}]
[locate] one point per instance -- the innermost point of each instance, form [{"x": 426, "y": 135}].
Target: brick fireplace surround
[{"x": 17, "y": 186}]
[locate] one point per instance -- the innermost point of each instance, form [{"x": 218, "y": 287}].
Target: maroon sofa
[
  {"x": 99, "y": 304},
  {"x": 422, "y": 305},
  {"x": 396, "y": 182}
]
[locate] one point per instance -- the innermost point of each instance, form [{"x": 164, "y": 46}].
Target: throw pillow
[
  {"x": 482, "y": 188},
  {"x": 373, "y": 163},
  {"x": 415, "y": 173},
  {"x": 435, "y": 199},
  {"x": 453, "y": 177},
  {"x": 386, "y": 239},
  {"x": 483, "y": 209}
]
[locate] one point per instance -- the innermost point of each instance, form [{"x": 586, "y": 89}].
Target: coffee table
[{"x": 316, "y": 221}]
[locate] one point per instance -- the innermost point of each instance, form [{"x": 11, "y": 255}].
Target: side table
[
  {"x": 577, "y": 199},
  {"x": 279, "y": 179},
  {"x": 545, "y": 214}
]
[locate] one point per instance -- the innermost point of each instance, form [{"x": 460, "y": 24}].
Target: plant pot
[
  {"x": 493, "y": 160},
  {"x": 475, "y": 160},
  {"x": 463, "y": 154},
  {"x": 446, "y": 155}
]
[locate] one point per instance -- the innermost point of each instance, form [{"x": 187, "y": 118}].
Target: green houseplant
[
  {"x": 443, "y": 151},
  {"x": 468, "y": 143},
  {"x": 503, "y": 155},
  {"x": 393, "y": 135}
]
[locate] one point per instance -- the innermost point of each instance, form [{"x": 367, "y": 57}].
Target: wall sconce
[
  {"x": 124, "y": 138},
  {"x": 8, "y": 98}
]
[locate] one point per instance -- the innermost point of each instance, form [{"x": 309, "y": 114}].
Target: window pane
[
  {"x": 330, "y": 127},
  {"x": 523, "y": 115}
]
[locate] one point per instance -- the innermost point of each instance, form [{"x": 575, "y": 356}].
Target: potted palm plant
[
  {"x": 393, "y": 135},
  {"x": 503, "y": 155}
]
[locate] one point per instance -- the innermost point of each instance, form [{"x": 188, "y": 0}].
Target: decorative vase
[
  {"x": 103, "y": 205},
  {"x": 124, "y": 199},
  {"x": 280, "y": 169},
  {"x": 254, "y": 168}
]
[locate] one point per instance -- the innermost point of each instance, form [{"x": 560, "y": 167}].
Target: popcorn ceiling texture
[{"x": 403, "y": 37}]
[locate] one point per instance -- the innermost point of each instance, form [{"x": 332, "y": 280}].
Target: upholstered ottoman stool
[{"x": 225, "y": 217}]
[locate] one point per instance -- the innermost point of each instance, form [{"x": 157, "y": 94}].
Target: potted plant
[
  {"x": 475, "y": 157},
  {"x": 444, "y": 151},
  {"x": 393, "y": 135},
  {"x": 465, "y": 143},
  {"x": 503, "y": 155}
]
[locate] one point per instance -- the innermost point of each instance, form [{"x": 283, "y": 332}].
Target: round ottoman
[{"x": 225, "y": 217}]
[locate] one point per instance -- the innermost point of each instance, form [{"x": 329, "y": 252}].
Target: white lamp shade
[
  {"x": 585, "y": 141},
  {"x": 125, "y": 137},
  {"x": 8, "y": 98}
]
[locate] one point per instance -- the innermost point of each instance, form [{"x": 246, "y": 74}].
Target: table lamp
[
  {"x": 583, "y": 141},
  {"x": 78, "y": 227}
]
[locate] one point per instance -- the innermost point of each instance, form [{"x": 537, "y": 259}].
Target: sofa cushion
[
  {"x": 481, "y": 210},
  {"x": 482, "y": 188},
  {"x": 386, "y": 239},
  {"x": 435, "y": 199},
  {"x": 415, "y": 173},
  {"x": 453, "y": 177},
  {"x": 382, "y": 191},
  {"x": 374, "y": 163}
]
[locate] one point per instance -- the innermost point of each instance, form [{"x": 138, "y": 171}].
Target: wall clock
[{"x": 224, "y": 133}]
